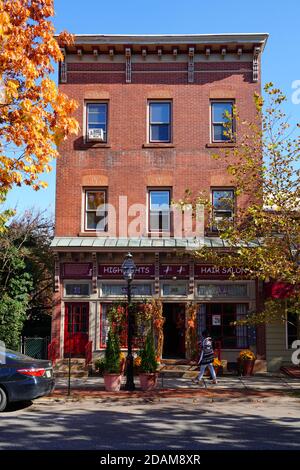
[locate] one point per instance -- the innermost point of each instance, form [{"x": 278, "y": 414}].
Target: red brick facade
[{"x": 127, "y": 73}]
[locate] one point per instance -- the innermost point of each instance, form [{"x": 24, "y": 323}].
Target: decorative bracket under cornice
[{"x": 256, "y": 53}]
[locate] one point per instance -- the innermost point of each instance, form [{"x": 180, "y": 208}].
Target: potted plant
[
  {"x": 148, "y": 366},
  {"x": 246, "y": 362},
  {"x": 100, "y": 366},
  {"x": 112, "y": 376}
]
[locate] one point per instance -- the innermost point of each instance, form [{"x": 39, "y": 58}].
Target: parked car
[{"x": 23, "y": 378}]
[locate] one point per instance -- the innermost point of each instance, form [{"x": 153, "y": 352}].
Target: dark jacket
[{"x": 207, "y": 353}]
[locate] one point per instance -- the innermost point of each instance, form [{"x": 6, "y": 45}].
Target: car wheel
[{"x": 3, "y": 399}]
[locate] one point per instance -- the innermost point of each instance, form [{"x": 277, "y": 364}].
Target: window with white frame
[
  {"x": 159, "y": 210},
  {"x": 159, "y": 121},
  {"x": 96, "y": 120},
  {"x": 222, "y": 125},
  {"x": 223, "y": 201},
  {"x": 95, "y": 210}
]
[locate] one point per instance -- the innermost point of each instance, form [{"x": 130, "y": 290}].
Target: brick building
[{"x": 151, "y": 112}]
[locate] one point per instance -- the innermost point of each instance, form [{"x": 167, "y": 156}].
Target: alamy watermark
[
  {"x": 296, "y": 354},
  {"x": 296, "y": 93}
]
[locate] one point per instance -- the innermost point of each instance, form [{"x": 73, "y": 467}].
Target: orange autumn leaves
[{"x": 34, "y": 115}]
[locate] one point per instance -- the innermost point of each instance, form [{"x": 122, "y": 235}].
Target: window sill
[
  {"x": 158, "y": 145},
  {"x": 221, "y": 145},
  {"x": 93, "y": 145},
  {"x": 93, "y": 234}
]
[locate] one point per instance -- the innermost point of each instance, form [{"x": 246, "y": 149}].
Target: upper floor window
[
  {"x": 159, "y": 211},
  {"x": 159, "y": 121},
  {"x": 95, "y": 212},
  {"x": 221, "y": 121},
  {"x": 222, "y": 208},
  {"x": 96, "y": 118}
]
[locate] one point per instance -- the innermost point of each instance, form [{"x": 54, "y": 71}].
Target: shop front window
[{"x": 219, "y": 319}]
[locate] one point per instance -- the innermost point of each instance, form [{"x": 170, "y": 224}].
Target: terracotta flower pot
[
  {"x": 248, "y": 367},
  {"x": 112, "y": 382},
  {"x": 148, "y": 381}
]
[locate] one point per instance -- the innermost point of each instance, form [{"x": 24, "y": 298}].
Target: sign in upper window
[
  {"x": 95, "y": 212},
  {"x": 96, "y": 122},
  {"x": 222, "y": 121},
  {"x": 159, "y": 121}
]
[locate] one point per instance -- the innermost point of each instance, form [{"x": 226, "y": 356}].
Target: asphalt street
[{"x": 138, "y": 424}]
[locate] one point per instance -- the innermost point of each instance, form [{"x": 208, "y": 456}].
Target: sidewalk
[{"x": 263, "y": 385}]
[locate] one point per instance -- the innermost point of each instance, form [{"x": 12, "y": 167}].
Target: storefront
[{"x": 88, "y": 291}]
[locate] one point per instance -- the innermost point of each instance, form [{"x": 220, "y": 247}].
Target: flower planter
[
  {"x": 148, "y": 381},
  {"x": 112, "y": 382},
  {"x": 245, "y": 368},
  {"x": 248, "y": 367}
]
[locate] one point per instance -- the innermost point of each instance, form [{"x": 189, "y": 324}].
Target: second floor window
[
  {"x": 221, "y": 121},
  {"x": 159, "y": 121},
  {"x": 222, "y": 208},
  {"x": 96, "y": 122},
  {"x": 159, "y": 211},
  {"x": 95, "y": 212}
]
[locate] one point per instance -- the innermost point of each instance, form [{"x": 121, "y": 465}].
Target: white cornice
[{"x": 173, "y": 39}]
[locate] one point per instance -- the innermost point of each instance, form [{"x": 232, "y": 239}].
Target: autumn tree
[
  {"x": 34, "y": 115},
  {"x": 264, "y": 169}
]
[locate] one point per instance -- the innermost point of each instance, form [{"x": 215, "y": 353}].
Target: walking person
[{"x": 206, "y": 358}]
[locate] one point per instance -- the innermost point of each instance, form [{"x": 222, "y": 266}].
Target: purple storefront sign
[
  {"x": 209, "y": 271},
  {"x": 76, "y": 270},
  {"x": 169, "y": 271},
  {"x": 114, "y": 271}
]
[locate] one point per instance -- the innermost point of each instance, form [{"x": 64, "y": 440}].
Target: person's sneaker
[
  {"x": 215, "y": 381},
  {"x": 195, "y": 380}
]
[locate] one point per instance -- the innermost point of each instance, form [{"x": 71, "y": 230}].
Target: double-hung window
[
  {"x": 96, "y": 118},
  {"x": 159, "y": 211},
  {"x": 223, "y": 201},
  {"x": 222, "y": 124},
  {"x": 159, "y": 121},
  {"x": 95, "y": 210}
]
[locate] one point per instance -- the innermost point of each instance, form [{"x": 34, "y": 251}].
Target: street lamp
[{"x": 129, "y": 268}]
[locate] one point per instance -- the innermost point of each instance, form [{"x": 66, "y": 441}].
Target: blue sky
[{"x": 281, "y": 62}]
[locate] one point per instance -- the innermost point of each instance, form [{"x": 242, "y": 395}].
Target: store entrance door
[{"x": 174, "y": 331}]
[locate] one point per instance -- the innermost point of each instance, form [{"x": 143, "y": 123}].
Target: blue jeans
[{"x": 202, "y": 370}]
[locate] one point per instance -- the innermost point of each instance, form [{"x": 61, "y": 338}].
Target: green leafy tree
[
  {"x": 15, "y": 286},
  {"x": 264, "y": 169}
]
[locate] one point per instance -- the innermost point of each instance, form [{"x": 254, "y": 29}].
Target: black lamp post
[{"x": 129, "y": 268}]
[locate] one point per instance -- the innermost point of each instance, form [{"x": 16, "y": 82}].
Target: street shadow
[
  {"x": 143, "y": 426},
  {"x": 18, "y": 405}
]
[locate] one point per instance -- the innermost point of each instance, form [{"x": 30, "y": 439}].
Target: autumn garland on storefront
[
  {"x": 191, "y": 330},
  {"x": 146, "y": 313}
]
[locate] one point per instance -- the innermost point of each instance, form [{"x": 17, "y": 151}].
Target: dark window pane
[
  {"x": 160, "y": 132},
  {"x": 77, "y": 289},
  {"x": 159, "y": 113},
  {"x": 219, "y": 133},
  {"x": 95, "y": 222}
]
